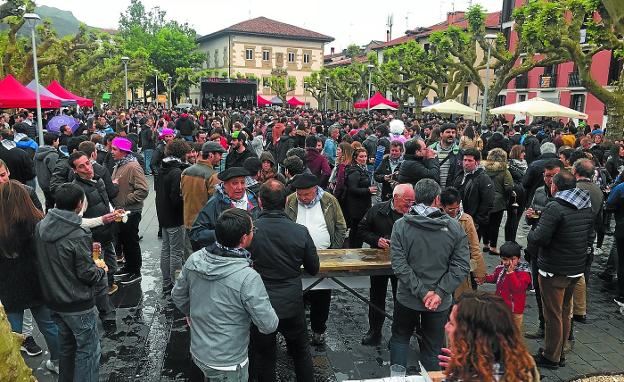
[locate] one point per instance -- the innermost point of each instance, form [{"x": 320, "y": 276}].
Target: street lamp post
[
  {"x": 305, "y": 96},
  {"x": 169, "y": 97},
  {"x": 326, "y": 79},
  {"x": 32, "y": 19},
  {"x": 489, "y": 38},
  {"x": 370, "y": 84},
  {"x": 125, "y": 60},
  {"x": 156, "y": 90}
]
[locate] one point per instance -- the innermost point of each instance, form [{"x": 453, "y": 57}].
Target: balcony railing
[
  {"x": 548, "y": 81},
  {"x": 574, "y": 80},
  {"x": 522, "y": 82}
]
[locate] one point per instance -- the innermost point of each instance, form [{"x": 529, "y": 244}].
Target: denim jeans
[
  {"x": 264, "y": 350},
  {"x": 47, "y": 327},
  {"x": 172, "y": 253},
  {"x": 432, "y": 332},
  {"x": 147, "y": 155},
  {"x": 79, "y": 346}
]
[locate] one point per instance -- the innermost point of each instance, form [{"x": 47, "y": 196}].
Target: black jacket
[
  {"x": 285, "y": 143},
  {"x": 377, "y": 223},
  {"x": 534, "y": 176},
  {"x": 169, "y": 203},
  {"x": 477, "y": 195},
  {"x": 381, "y": 171},
  {"x": 532, "y": 148},
  {"x": 19, "y": 284},
  {"x": 19, "y": 163},
  {"x": 236, "y": 159},
  {"x": 98, "y": 204},
  {"x": 416, "y": 168},
  {"x": 33, "y": 197},
  {"x": 184, "y": 125},
  {"x": 148, "y": 138},
  {"x": 358, "y": 199},
  {"x": 564, "y": 234},
  {"x": 62, "y": 174},
  {"x": 497, "y": 140},
  {"x": 157, "y": 157},
  {"x": 66, "y": 270},
  {"x": 278, "y": 250}
]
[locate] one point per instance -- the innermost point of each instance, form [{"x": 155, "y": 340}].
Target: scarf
[
  {"x": 237, "y": 252},
  {"x": 394, "y": 163},
  {"x": 522, "y": 266},
  {"x": 8, "y": 144},
  {"x": 423, "y": 210},
  {"x": 127, "y": 159},
  {"x": 319, "y": 195}
]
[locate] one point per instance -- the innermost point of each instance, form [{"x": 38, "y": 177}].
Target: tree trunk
[{"x": 615, "y": 122}]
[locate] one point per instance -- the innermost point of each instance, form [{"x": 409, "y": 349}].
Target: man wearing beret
[
  {"x": 231, "y": 193},
  {"x": 238, "y": 151},
  {"x": 320, "y": 212}
]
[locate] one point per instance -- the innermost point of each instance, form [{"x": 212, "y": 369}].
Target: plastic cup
[{"x": 397, "y": 371}]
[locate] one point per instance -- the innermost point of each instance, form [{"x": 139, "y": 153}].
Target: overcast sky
[{"x": 346, "y": 21}]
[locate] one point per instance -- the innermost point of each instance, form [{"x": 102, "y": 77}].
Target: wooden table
[{"x": 337, "y": 263}]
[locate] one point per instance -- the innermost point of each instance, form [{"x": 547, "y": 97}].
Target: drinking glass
[{"x": 397, "y": 373}]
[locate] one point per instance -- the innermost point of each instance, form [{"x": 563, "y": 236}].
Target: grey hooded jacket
[
  {"x": 428, "y": 253},
  {"x": 222, "y": 295}
]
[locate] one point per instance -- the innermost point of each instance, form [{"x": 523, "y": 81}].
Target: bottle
[{"x": 97, "y": 250}]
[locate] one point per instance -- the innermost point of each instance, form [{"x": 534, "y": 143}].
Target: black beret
[
  {"x": 232, "y": 172},
  {"x": 304, "y": 180}
]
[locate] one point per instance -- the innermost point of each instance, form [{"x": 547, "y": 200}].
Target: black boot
[{"x": 372, "y": 338}]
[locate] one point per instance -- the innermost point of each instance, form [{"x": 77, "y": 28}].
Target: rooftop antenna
[{"x": 389, "y": 24}]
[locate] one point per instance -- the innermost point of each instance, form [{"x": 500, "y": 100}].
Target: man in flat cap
[
  {"x": 320, "y": 213},
  {"x": 232, "y": 193},
  {"x": 199, "y": 181}
]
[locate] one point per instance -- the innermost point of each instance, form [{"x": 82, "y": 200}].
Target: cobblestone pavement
[{"x": 149, "y": 340}]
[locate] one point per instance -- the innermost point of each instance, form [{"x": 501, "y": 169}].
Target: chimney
[
  {"x": 332, "y": 50},
  {"x": 452, "y": 17},
  {"x": 388, "y": 36}
]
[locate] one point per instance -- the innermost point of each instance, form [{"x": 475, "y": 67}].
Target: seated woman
[{"x": 485, "y": 343}]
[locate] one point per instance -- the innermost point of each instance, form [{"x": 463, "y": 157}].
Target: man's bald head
[
  {"x": 403, "y": 198},
  {"x": 584, "y": 168}
]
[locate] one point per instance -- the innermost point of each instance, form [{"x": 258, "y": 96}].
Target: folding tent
[
  {"x": 374, "y": 101},
  {"x": 538, "y": 107},
  {"x": 383, "y": 106},
  {"x": 263, "y": 101},
  {"x": 450, "y": 107},
  {"x": 57, "y": 89},
  {"x": 277, "y": 101},
  {"x": 294, "y": 102},
  {"x": 14, "y": 95},
  {"x": 64, "y": 102}
]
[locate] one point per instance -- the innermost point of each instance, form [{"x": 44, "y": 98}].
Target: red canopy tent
[
  {"x": 374, "y": 101},
  {"x": 263, "y": 101},
  {"x": 57, "y": 89},
  {"x": 294, "y": 102},
  {"x": 13, "y": 95}
]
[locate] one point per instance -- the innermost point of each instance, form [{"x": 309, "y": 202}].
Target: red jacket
[{"x": 511, "y": 287}]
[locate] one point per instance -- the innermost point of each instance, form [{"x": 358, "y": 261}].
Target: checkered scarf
[
  {"x": 577, "y": 197},
  {"x": 423, "y": 210}
]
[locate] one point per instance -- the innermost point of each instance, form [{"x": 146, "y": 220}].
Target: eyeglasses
[{"x": 407, "y": 201}]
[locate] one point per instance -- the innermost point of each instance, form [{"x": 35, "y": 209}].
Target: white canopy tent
[
  {"x": 383, "y": 106},
  {"x": 538, "y": 107},
  {"x": 450, "y": 107}
]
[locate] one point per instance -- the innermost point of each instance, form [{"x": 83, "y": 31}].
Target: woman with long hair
[
  {"x": 515, "y": 206},
  {"x": 496, "y": 167},
  {"x": 485, "y": 344},
  {"x": 470, "y": 139},
  {"x": 344, "y": 158},
  {"x": 19, "y": 283},
  {"x": 359, "y": 195}
]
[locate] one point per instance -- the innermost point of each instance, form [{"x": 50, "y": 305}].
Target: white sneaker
[{"x": 52, "y": 366}]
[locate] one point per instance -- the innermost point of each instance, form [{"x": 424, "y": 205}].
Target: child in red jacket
[{"x": 512, "y": 278}]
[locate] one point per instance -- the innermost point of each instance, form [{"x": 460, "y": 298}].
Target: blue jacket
[{"x": 203, "y": 231}]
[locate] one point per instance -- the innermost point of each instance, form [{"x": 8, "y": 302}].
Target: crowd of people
[{"x": 246, "y": 197}]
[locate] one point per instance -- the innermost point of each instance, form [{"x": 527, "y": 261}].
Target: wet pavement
[{"x": 149, "y": 340}]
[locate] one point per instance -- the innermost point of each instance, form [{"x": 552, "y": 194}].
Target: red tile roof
[
  {"x": 492, "y": 21},
  {"x": 263, "y": 26},
  {"x": 346, "y": 61}
]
